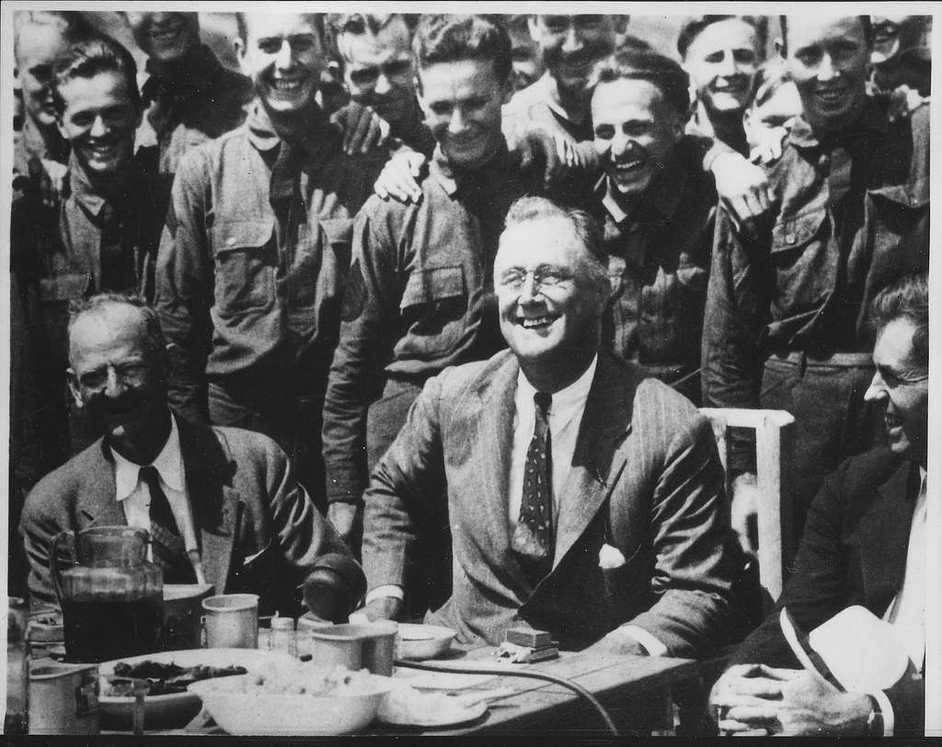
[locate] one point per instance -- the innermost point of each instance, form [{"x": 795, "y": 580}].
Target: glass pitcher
[{"x": 112, "y": 598}]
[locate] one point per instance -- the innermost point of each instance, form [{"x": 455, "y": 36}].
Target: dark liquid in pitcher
[{"x": 101, "y": 629}]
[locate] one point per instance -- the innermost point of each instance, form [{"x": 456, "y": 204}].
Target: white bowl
[
  {"x": 424, "y": 641},
  {"x": 289, "y": 715}
]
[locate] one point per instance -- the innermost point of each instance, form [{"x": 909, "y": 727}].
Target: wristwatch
[{"x": 874, "y": 726}]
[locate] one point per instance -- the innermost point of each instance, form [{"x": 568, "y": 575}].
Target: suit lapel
[
  {"x": 97, "y": 503},
  {"x": 217, "y": 506},
  {"x": 494, "y": 441},
  {"x": 884, "y": 532},
  {"x": 597, "y": 460}
]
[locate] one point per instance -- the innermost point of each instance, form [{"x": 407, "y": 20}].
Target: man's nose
[
  {"x": 383, "y": 84},
  {"x": 285, "y": 57},
  {"x": 620, "y": 144},
  {"x": 114, "y": 386},
  {"x": 826, "y": 69},
  {"x": 727, "y": 65},
  {"x": 457, "y": 122},
  {"x": 530, "y": 288},
  {"x": 877, "y": 389},
  {"x": 98, "y": 128},
  {"x": 572, "y": 41}
]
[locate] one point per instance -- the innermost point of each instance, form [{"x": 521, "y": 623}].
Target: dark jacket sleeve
[
  {"x": 405, "y": 484},
  {"x": 184, "y": 294},
  {"x": 370, "y": 304}
]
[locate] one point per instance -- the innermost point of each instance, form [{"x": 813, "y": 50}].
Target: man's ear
[
  {"x": 780, "y": 49},
  {"x": 240, "y": 51},
  {"x": 72, "y": 381}
]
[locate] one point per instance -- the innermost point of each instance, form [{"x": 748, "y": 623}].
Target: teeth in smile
[
  {"x": 538, "y": 322},
  {"x": 287, "y": 85}
]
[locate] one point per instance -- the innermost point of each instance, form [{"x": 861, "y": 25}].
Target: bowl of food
[
  {"x": 168, "y": 704},
  {"x": 424, "y": 641},
  {"x": 299, "y": 699}
]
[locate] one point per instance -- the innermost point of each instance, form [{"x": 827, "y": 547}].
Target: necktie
[
  {"x": 533, "y": 536},
  {"x": 169, "y": 548}
]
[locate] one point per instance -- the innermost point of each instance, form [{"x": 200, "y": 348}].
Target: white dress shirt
[{"x": 134, "y": 495}]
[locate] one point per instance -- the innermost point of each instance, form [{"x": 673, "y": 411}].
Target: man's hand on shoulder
[
  {"x": 399, "y": 178},
  {"x": 742, "y": 186}
]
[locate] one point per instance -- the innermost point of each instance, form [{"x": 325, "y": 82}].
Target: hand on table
[
  {"x": 786, "y": 702},
  {"x": 617, "y": 642},
  {"x": 383, "y": 608}
]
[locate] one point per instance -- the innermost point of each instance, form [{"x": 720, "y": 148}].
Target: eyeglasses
[
  {"x": 892, "y": 381},
  {"x": 543, "y": 278},
  {"x": 132, "y": 374}
]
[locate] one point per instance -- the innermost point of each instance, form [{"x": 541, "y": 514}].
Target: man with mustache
[
  {"x": 257, "y": 246},
  {"x": 784, "y": 325},
  {"x": 222, "y": 505},
  {"x": 657, "y": 205},
  {"x": 419, "y": 298},
  {"x": 864, "y": 544}
]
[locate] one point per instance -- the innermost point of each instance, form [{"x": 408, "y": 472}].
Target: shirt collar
[
  {"x": 572, "y": 395},
  {"x": 169, "y": 465},
  {"x": 319, "y": 142},
  {"x": 94, "y": 201},
  {"x": 452, "y": 179},
  {"x": 871, "y": 119},
  {"x": 546, "y": 88},
  {"x": 663, "y": 194}
]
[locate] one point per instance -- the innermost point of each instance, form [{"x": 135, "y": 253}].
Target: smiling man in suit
[
  {"x": 864, "y": 544},
  {"x": 581, "y": 498},
  {"x": 221, "y": 504}
]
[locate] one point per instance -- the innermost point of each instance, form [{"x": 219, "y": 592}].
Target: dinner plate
[
  {"x": 447, "y": 681},
  {"x": 174, "y": 710},
  {"x": 406, "y": 706}
]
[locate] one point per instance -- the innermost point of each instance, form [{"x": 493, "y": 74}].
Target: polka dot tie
[
  {"x": 169, "y": 548},
  {"x": 533, "y": 536}
]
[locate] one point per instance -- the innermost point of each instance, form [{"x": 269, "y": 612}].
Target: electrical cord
[{"x": 575, "y": 687}]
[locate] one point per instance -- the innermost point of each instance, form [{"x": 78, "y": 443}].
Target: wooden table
[{"x": 637, "y": 691}]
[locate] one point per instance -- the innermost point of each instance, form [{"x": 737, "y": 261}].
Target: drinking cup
[{"x": 231, "y": 621}]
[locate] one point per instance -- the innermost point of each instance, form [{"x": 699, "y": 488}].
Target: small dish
[{"x": 424, "y": 641}]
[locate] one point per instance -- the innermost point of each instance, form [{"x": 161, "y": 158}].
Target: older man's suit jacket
[
  {"x": 245, "y": 502},
  {"x": 645, "y": 479},
  {"x": 853, "y": 551}
]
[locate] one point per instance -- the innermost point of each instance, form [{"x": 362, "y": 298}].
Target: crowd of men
[{"x": 441, "y": 294}]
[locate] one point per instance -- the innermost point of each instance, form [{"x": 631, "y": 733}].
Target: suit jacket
[
  {"x": 244, "y": 498},
  {"x": 645, "y": 478},
  {"x": 853, "y": 551}
]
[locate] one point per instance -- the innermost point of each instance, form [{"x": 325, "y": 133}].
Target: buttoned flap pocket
[
  {"x": 63, "y": 287},
  {"x": 246, "y": 258},
  {"x": 805, "y": 270},
  {"x": 912, "y": 196},
  {"x": 434, "y": 304}
]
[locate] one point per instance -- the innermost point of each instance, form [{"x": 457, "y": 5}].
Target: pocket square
[{"x": 610, "y": 557}]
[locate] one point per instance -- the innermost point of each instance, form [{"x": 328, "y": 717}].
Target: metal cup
[
  {"x": 63, "y": 698},
  {"x": 231, "y": 621}
]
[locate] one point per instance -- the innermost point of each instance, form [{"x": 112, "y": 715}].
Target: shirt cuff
[
  {"x": 651, "y": 644},
  {"x": 389, "y": 590},
  {"x": 886, "y": 710}
]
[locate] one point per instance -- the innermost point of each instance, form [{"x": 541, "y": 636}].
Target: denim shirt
[
  {"x": 249, "y": 285},
  {"x": 850, "y": 214},
  {"x": 420, "y": 298},
  {"x": 658, "y": 263}
]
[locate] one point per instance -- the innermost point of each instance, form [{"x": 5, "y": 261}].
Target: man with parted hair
[
  {"x": 786, "y": 305},
  {"x": 657, "y": 206},
  {"x": 580, "y": 498},
  {"x": 257, "y": 246},
  {"x": 222, "y": 505},
  {"x": 375, "y": 57},
  {"x": 420, "y": 295},
  {"x": 864, "y": 544}
]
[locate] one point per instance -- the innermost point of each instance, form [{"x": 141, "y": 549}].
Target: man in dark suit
[
  {"x": 863, "y": 544},
  {"x": 581, "y": 498},
  {"x": 221, "y": 504}
]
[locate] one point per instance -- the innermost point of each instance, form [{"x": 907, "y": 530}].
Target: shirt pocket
[
  {"x": 804, "y": 267},
  {"x": 899, "y": 217},
  {"x": 246, "y": 258},
  {"x": 433, "y": 308}
]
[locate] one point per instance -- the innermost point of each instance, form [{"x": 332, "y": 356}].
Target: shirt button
[
  {"x": 230, "y": 241},
  {"x": 790, "y": 238}
]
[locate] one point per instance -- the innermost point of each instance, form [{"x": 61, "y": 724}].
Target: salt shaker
[{"x": 282, "y": 635}]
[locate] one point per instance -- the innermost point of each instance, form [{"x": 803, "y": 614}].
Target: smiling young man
[
  {"x": 257, "y": 246},
  {"x": 549, "y": 461},
  {"x": 420, "y": 293},
  {"x": 864, "y": 544},
  {"x": 657, "y": 205},
  {"x": 785, "y": 314},
  {"x": 722, "y": 55},
  {"x": 192, "y": 98}
]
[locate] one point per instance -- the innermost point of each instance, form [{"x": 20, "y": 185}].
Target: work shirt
[
  {"x": 420, "y": 298},
  {"x": 195, "y": 102},
  {"x": 252, "y": 259},
  {"x": 851, "y": 213},
  {"x": 658, "y": 262}
]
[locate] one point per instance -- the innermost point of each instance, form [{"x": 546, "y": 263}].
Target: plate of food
[
  {"x": 168, "y": 704},
  {"x": 404, "y": 705},
  {"x": 300, "y": 699},
  {"x": 424, "y": 641}
]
